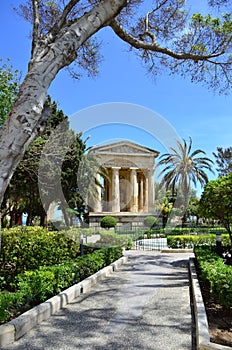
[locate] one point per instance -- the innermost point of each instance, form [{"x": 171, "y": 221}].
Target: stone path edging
[
  {"x": 202, "y": 328},
  {"x": 16, "y": 328}
]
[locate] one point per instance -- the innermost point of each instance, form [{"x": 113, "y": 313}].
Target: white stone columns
[
  {"x": 115, "y": 190},
  {"x": 151, "y": 202},
  {"x": 145, "y": 208},
  {"x": 135, "y": 190},
  {"x": 141, "y": 195}
]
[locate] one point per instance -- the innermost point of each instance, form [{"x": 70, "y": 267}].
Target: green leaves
[
  {"x": 108, "y": 221},
  {"x": 25, "y": 248},
  {"x": 218, "y": 25},
  {"x": 223, "y": 160},
  {"x": 9, "y": 85},
  {"x": 216, "y": 201},
  {"x": 216, "y": 273}
]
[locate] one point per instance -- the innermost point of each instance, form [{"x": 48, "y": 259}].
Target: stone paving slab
[{"x": 144, "y": 305}]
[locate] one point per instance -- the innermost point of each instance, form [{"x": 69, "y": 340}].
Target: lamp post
[
  {"x": 81, "y": 244},
  {"x": 219, "y": 243}
]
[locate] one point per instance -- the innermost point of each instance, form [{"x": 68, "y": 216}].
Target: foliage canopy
[
  {"x": 223, "y": 160},
  {"x": 165, "y": 35},
  {"x": 216, "y": 201},
  {"x": 9, "y": 86}
]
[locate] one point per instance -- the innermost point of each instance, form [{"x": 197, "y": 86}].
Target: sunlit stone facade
[{"x": 127, "y": 192}]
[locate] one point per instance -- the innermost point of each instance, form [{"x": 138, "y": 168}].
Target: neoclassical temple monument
[{"x": 128, "y": 189}]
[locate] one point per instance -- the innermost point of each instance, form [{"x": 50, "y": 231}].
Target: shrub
[
  {"x": 8, "y": 303},
  {"x": 150, "y": 221},
  {"x": 108, "y": 222},
  {"x": 219, "y": 275},
  {"x": 36, "y": 285},
  {"x": 26, "y": 248}
]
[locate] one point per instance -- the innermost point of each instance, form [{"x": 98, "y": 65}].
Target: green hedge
[
  {"x": 219, "y": 275},
  {"x": 191, "y": 240},
  {"x": 174, "y": 231},
  {"x": 26, "y": 248},
  {"x": 198, "y": 230},
  {"x": 32, "y": 287}
]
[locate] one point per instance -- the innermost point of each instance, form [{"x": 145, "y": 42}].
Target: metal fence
[{"x": 151, "y": 244}]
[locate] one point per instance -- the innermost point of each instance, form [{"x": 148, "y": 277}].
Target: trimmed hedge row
[
  {"x": 219, "y": 275},
  {"x": 26, "y": 248},
  {"x": 33, "y": 287},
  {"x": 190, "y": 241},
  {"x": 194, "y": 230},
  {"x": 173, "y": 231}
]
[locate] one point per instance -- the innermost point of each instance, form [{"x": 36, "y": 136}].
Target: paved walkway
[{"x": 144, "y": 305}]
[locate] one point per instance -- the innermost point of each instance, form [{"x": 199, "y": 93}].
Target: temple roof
[{"x": 124, "y": 148}]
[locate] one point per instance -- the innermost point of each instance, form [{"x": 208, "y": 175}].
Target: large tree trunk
[{"x": 26, "y": 119}]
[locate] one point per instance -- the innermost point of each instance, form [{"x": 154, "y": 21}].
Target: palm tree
[{"x": 184, "y": 167}]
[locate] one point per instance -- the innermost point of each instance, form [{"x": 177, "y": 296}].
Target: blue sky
[{"x": 190, "y": 109}]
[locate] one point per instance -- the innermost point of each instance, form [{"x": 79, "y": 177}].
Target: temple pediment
[{"x": 124, "y": 148}]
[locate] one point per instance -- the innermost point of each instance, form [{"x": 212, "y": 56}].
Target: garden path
[{"x": 144, "y": 305}]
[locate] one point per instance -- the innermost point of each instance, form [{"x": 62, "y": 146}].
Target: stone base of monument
[{"x": 128, "y": 220}]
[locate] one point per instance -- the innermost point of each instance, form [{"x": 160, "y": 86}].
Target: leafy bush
[
  {"x": 26, "y": 248},
  {"x": 108, "y": 222},
  {"x": 36, "y": 285},
  {"x": 213, "y": 269},
  {"x": 32, "y": 287},
  {"x": 150, "y": 221},
  {"x": 9, "y": 302}
]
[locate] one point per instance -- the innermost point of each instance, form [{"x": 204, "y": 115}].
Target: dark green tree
[
  {"x": 70, "y": 186},
  {"x": 23, "y": 194},
  {"x": 223, "y": 160},
  {"x": 9, "y": 86},
  {"x": 216, "y": 201}
]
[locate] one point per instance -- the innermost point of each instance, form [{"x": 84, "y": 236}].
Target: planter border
[{"x": 202, "y": 327}]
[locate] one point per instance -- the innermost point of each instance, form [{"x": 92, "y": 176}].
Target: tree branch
[
  {"x": 35, "y": 30},
  {"x": 65, "y": 13},
  {"x": 153, "y": 46}
]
